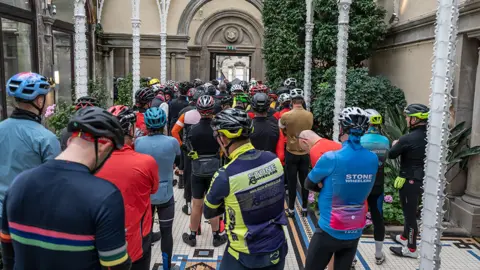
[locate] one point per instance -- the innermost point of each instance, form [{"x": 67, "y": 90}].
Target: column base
[{"x": 466, "y": 215}]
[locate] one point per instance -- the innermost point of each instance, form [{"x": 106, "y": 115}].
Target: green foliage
[
  {"x": 124, "y": 94},
  {"x": 59, "y": 119},
  {"x": 367, "y": 29},
  {"x": 284, "y": 39},
  {"x": 363, "y": 90},
  {"x": 98, "y": 90}
]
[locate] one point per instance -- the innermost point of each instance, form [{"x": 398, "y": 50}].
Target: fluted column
[
  {"x": 443, "y": 70},
  {"x": 135, "y": 46},
  {"x": 308, "y": 53},
  {"x": 341, "y": 70},
  {"x": 81, "y": 51},
  {"x": 163, "y": 6}
]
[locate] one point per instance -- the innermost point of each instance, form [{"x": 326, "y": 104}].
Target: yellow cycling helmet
[
  {"x": 374, "y": 117},
  {"x": 419, "y": 111},
  {"x": 153, "y": 81},
  {"x": 233, "y": 123}
]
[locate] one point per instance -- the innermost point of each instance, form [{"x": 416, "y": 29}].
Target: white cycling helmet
[
  {"x": 290, "y": 82},
  {"x": 296, "y": 93},
  {"x": 374, "y": 117},
  {"x": 284, "y": 98},
  {"x": 354, "y": 120},
  {"x": 236, "y": 88}
]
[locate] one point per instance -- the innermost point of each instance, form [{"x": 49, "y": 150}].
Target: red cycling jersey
[
  {"x": 136, "y": 176},
  {"x": 140, "y": 127}
]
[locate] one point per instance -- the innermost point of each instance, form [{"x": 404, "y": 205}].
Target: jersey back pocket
[{"x": 345, "y": 218}]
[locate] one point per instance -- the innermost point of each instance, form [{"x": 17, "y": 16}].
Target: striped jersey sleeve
[{"x": 110, "y": 237}]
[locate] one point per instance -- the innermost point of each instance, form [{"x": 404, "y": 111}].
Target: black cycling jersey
[
  {"x": 200, "y": 138},
  {"x": 411, "y": 149},
  {"x": 265, "y": 133},
  {"x": 174, "y": 109}
]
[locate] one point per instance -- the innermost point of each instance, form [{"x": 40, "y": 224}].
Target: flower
[
  {"x": 369, "y": 222},
  {"x": 369, "y": 216},
  {"x": 311, "y": 197},
  {"x": 388, "y": 199},
  {"x": 50, "y": 110}
]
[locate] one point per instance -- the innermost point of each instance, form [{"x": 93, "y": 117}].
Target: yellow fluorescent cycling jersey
[{"x": 251, "y": 188}]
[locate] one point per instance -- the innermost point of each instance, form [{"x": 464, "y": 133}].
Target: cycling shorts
[{"x": 200, "y": 186}]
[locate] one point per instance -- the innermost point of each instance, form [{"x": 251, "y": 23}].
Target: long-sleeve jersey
[
  {"x": 185, "y": 121},
  {"x": 59, "y": 216}
]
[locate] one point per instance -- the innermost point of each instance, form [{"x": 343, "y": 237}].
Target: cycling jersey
[
  {"x": 163, "y": 149},
  {"x": 284, "y": 110},
  {"x": 265, "y": 134},
  {"x": 348, "y": 176},
  {"x": 140, "y": 126},
  {"x": 24, "y": 144},
  {"x": 200, "y": 138},
  {"x": 294, "y": 122},
  {"x": 251, "y": 190},
  {"x": 68, "y": 220},
  {"x": 378, "y": 144},
  {"x": 411, "y": 149},
  {"x": 321, "y": 147},
  {"x": 185, "y": 120},
  {"x": 175, "y": 107},
  {"x": 136, "y": 175}
]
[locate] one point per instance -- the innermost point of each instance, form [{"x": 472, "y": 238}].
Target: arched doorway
[{"x": 227, "y": 33}]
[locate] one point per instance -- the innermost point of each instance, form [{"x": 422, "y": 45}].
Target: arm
[
  {"x": 280, "y": 149},
  {"x": 177, "y": 151},
  {"x": 177, "y": 128},
  {"x": 282, "y": 123},
  {"x": 50, "y": 147},
  {"x": 214, "y": 204},
  {"x": 398, "y": 148},
  {"x": 110, "y": 235},
  {"x": 325, "y": 167},
  {"x": 8, "y": 253}
]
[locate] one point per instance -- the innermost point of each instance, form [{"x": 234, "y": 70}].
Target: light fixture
[{"x": 56, "y": 75}]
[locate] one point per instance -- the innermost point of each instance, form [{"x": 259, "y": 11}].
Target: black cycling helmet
[
  {"x": 227, "y": 100},
  {"x": 215, "y": 82},
  {"x": 260, "y": 102},
  {"x": 169, "y": 90},
  {"x": 144, "y": 95},
  {"x": 85, "y": 101},
  {"x": 126, "y": 116},
  {"x": 419, "y": 111},
  {"x": 183, "y": 88},
  {"x": 198, "y": 94},
  {"x": 99, "y": 123},
  {"x": 211, "y": 90},
  {"x": 197, "y": 83},
  {"x": 244, "y": 85},
  {"x": 233, "y": 124}
]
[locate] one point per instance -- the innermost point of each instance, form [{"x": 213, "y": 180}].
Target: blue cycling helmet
[
  {"x": 155, "y": 118},
  {"x": 27, "y": 86}
]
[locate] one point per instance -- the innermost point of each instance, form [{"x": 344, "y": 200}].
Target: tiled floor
[{"x": 457, "y": 253}]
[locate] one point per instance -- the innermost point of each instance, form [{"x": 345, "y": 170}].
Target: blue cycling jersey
[
  {"x": 348, "y": 176},
  {"x": 24, "y": 144},
  {"x": 163, "y": 149},
  {"x": 378, "y": 144}
]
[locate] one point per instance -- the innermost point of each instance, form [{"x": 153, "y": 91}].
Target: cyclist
[
  {"x": 245, "y": 86},
  {"x": 135, "y": 175},
  {"x": 297, "y": 159},
  {"x": 290, "y": 83},
  {"x": 169, "y": 93},
  {"x": 344, "y": 179},
  {"x": 197, "y": 82},
  {"x": 273, "y": 99},
  {"x": 185, "y": 121},
  {"x": 39, "y": 229},
  {"x": 316, "y": 145},
  {"x": 178, "y": 104},
  {"x": 204, "y": 152},
  {"x": 249, "y": 190},
  {"x": 24, "y": 142},
  {"x": 165, "y": 150},
  {"x": 241, "y": 101},
  {"x": 82, "y": 102},
  {"x": 222, "y": 93},
  {"x": 265, "y": 134},
  {"x": 411, "y": 150},
  {"x": 227, "y": 103},
  {"x": 143, "y": 101}
]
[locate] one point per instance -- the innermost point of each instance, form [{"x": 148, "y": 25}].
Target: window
[
  {"x": 17, "y": 47},
  {"x": 239, "y": 72},
  {"x": 65, "y": 9},
  {"x": 25, "y": 4},
  {"x": 62, "y": 65}
]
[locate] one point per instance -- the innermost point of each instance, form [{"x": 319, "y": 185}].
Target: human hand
[{"x": 320, "y": 185}]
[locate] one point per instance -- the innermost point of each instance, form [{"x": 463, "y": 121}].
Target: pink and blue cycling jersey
[{"x": 348, "y": 176}]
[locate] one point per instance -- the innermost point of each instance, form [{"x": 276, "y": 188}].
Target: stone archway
[{"x": 227, "y": 28}]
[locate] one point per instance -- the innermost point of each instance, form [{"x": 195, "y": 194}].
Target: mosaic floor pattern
[{"x": 457, "y": 253}]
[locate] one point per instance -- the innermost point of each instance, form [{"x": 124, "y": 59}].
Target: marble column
[{"x": 81, "y": 50}]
